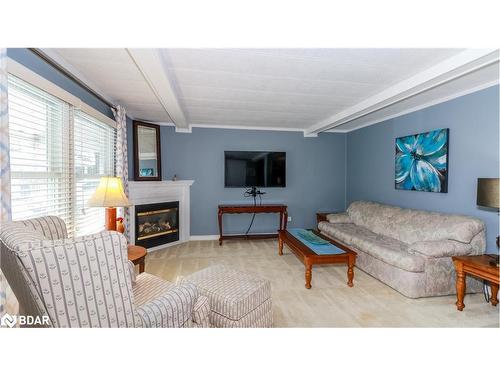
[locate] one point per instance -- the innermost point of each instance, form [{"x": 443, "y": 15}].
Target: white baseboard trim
[
  {"x": 214, "y": 237},
  {"x": 210, "y": 237},
  {"x": 164, "y": 246}
]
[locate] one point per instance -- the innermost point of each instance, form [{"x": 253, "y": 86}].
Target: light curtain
[
  {"x": 5, "y": 204},
  {"x": 122, "y": 158}
]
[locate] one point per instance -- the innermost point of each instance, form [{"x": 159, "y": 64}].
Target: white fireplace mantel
[{"x": 145, "y": 192}]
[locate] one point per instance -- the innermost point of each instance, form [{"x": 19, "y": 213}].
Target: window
[
  {"x": 94, "y": 150},
  {"x": 58, "y": 154}
]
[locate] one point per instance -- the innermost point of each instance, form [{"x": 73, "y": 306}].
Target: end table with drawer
[{"x": 481, "y": 266}]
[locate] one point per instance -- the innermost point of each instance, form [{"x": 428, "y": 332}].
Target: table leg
[
  {"x": 494, "y": 294},
  {"x": 285, "y": 219},
  {"x": 280, "y": 243},
  {"x": 281, "y": 220},
  {"x": 460, "y": 289},
  {"x": 219, "y": 217},
  {"x": 142, "y": 265},
  {"x": 308, "y": 275},
  {"x": 350, "y": 271}
]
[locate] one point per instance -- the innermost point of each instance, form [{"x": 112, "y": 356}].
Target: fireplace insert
[{"x": 156, "y": 224}]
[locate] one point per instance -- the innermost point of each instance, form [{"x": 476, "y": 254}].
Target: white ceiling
[{"x": 309, "y": 90}]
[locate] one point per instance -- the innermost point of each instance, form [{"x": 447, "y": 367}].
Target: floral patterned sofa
[{"x": 409, "y": 250}]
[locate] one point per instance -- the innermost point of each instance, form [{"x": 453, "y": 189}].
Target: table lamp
[
  {"x": 109, "y": 194},
  {"x": 487, "y": 196}
]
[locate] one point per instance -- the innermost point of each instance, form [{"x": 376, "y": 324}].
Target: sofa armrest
[
  {"x": 173, "y": 309},
  {"x": 338, "y": 218},
  {"x": 131, "y": 270},
  {"x": 51, "y": 227},
  {"x": 201, "y": 313},
  {"x": 440, "y": 249}
]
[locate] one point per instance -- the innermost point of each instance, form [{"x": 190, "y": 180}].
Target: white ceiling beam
[
  {"x": 153, "y": 68},
  {"x": 450, "y": 69}
]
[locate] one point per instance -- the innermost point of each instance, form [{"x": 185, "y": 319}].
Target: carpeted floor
[{"x": 330, "y": 302}]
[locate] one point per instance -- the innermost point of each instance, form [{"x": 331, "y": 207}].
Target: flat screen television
[{"x": 254, "y": 168}]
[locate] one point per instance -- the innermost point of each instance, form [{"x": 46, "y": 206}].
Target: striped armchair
[{"x": 89, "y": 282}]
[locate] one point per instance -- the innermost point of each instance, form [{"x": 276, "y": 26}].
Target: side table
[
  {"x": 479, "y": 266},
  {"x": 137, "y": 255}
]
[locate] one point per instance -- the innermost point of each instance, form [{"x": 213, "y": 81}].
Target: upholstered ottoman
[{"x": 237, "y": 299}]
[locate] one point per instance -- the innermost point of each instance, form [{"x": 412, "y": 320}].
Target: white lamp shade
[{"x": 109, "y": 193}]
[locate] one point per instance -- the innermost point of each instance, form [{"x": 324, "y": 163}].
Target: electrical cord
[
  {"x": 253, "y": 192},
  {"x": 253, "y": 216},
  {"x": 485, "y": 292}
]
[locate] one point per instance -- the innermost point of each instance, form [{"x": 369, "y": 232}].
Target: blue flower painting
[{"x": 422, "y": 162}]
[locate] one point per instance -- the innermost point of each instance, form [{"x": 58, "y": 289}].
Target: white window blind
[
  {"x": 94, "y": 150},
  {"x": 39, "y": 152},
  {"x": 58, "y": 154}
]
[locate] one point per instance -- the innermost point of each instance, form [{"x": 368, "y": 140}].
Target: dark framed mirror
[{"x": 147, "y": 152}]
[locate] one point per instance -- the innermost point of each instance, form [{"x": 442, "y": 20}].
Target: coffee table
[{"x": 309, "y": 258}]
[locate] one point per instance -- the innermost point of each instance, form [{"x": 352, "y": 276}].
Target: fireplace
[{"x": 156, "y": 224}]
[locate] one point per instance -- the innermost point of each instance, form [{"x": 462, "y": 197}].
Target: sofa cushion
[
  {"x": 376, "y": 217},
  {"x": 386, "y": 249},
  {"x": 344, "y": 232},
  {"x": 148, "y": 287},
  {"x": 409, "y": 226},
  {"x": 438, "y": 249}
]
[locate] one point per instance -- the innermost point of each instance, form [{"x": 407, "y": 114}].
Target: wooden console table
[{"x": 250, "y": 209}]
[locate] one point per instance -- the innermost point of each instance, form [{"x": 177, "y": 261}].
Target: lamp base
[{"x": 110, "y": 223}]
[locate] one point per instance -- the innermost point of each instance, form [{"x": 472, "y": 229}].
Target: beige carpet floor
[{"x": 330, "y": 302}]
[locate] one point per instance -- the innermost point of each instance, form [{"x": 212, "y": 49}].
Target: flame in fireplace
[{"x": 156, "y": 223}]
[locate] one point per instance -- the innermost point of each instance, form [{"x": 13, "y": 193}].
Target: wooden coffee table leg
[
  {"x": 494, "y": 294},
  {"x": 308, "y": 275},
  {"x": 460, "y": 289},
  {"x": 350, "y": 271}
]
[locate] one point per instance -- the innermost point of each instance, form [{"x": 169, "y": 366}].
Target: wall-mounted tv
[{"x": 254, "y": 168}]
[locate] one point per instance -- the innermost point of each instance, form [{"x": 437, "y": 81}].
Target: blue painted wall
[
  {"x": 316, "y": 167},
  {"x": 315, "y": 174},
  {"x": 474, "y": 152},
  {"x": 39, "y": 66}
]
